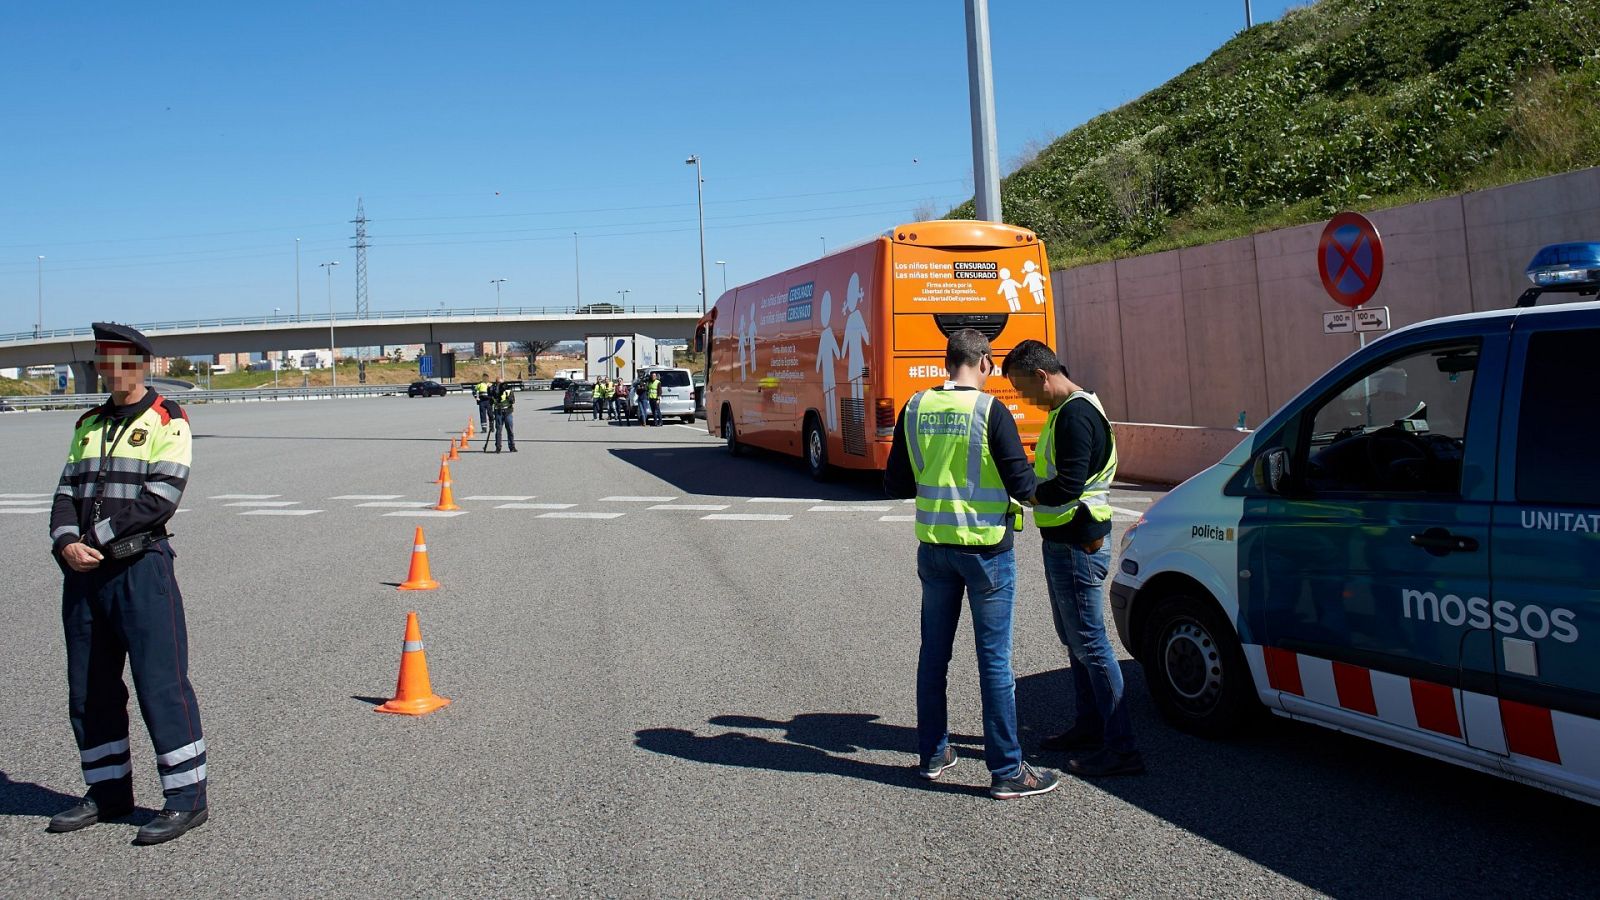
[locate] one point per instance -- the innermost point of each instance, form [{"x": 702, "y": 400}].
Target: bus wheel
[
  {"x": 1196, "y": 670},
  {"x": 816, "y": 450},
  {"x": 729, "y": 434}
]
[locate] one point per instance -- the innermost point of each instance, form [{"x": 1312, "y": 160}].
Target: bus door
[{"x": 1369, "y": 573}]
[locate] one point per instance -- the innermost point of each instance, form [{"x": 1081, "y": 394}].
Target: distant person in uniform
[
  {"x": 480, "y": 392},
  {"x": 957, "y": 451},
  {"x": 127, "y": 467},
  {"x": 653, "y": 394},
  {"x": 1074, "y": 464},
  {"x": 505, "y": 402},
  {"x": 598, "y": 398}
]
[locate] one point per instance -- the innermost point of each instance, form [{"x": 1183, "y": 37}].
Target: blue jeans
[
  {"x": 989, "y": 581},
  {"x": 1075, "y": 579}
]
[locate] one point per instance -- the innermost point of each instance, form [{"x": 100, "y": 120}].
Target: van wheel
[
  {"x": 687, "y": 420},
  {"x": 730, "y": 435},
  {"x": 816, "y": 446},
  {"x": 1196, "y": 670}
]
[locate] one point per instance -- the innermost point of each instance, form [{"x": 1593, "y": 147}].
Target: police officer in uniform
[
  {"x": 957, "y": 451},
  {"x": 653, "y": 394},
  {"x": 480, "y": 391},
  {"x": 505, "y": 402},
  {"x": 126, "y": 471}
]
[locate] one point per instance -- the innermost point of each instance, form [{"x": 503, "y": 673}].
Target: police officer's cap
[{"x": 126, "y": 334}]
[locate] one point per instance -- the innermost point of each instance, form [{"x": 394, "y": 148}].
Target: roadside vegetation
[{"x": 1341, "y": 104}]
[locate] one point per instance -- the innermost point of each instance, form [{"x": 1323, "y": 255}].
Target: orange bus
[{"x": 817, "y": 361}]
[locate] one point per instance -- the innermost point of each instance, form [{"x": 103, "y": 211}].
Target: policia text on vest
[{"x": 127, "y": 467}]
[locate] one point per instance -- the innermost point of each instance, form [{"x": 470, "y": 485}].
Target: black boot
[
  {"x": 86, "y": 813},
  {"x": 170, "y": 823}
]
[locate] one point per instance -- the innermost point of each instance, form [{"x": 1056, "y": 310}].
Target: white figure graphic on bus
[
  {"x": 856, "y": 338},
  {"x": 1009, "y": 289},
  {"x": 828, "y": 354},
  {"x": 750, "y": 335},
  {"x": 739, "y": 335},
  {"x": 1033, "y": 281}
]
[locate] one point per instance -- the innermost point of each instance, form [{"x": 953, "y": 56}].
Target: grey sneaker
[
  {"x": 931, "y": 769},
  {"x": 1026, "y": 783}
]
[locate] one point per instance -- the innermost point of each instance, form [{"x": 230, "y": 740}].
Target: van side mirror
[{"x": 1272, "y": 470}]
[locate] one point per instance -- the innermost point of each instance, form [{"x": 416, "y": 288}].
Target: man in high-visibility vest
[
  {"x": 653, "y": 394},
  {"x": 602, "y": 390},
  {"x": 505, "y": 404},
  {"x": 480, "y": 392},
  {"x": 956, "y": 450},
  {"x": 1075, "y": 463}
]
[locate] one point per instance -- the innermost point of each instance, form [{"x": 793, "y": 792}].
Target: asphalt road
[{"x": 655, "y": 703}]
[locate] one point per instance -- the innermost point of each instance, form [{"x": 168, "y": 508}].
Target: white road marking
[
  {"x": 367, "y": 497},
  {"x": 12, "y": 510},
  {"x": 850, "y": 509},
  {"x": 23, "y": 502},
  {"x": 500, "y": 497},
  {"x": 897, "y": 518},
  {"x": 1127, "y": 512},
  {"x": 244, "y": 496},
  {"x": 691, "y": 427},
  {"x": 264, "y": 503},
  {"x": 281, "y": 512},
  {"x": 695, "y": 507},
  {"x": 579, "y": 515},
  {"x": 26, "y": 496},
  {"x": 783, "y": 500},
  {"x": 397, "y": 504},
  {"x": 748, "y": 517},
  {"x": 1134, "y": 499},
  {"x": 637, "y": 499},
  {"x": 431, "y": 513},
  {"x": 536, "y": 506}
]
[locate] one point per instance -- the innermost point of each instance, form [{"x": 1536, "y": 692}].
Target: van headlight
[{"x": 1127, "y": 536}]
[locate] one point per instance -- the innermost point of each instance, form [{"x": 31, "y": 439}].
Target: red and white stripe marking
[{"x": 1518, "y": 730}]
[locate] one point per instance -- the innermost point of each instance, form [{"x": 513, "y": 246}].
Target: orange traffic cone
[
  {"x": 452, "y": 455},
  {"x": 419, "y": 578},
  {"x": 447, "y": 500},
  {"x": 470, "y": 432},
  {"x": 413, "y": 695},
  {"x": 444, "y": 470},
  {"x": 463, "y": 441}
]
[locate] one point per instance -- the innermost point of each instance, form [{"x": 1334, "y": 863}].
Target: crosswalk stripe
[
  {"x": 637, "y": 499},
  {"x": 783, "y": 500},
  {"x": 500, "y": 497},
  {"x": 367, "y": 497},
  {"x": 268, "y": 503},
  {"x": 897, "y": 518},
  {"x": 280, "y": 512},
  {"x": 748, "y": 517},
  {"x": 579, "y": 515},
  {"x": 693, "y": 507},
  {"x": 850, "y": 509},
  {"x": 244, "y": 496},
  {"x": 536, "y": 506},
  {"x": 396, "y": 504},
  {"x": 430, "y": 513}
]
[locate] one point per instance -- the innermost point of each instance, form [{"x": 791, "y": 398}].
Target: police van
[{"x": 1408, "y": 551}]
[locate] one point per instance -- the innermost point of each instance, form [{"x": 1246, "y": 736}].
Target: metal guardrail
[
  {"x": 236, "y": 395},
  {"x": 593, "y": 309}
]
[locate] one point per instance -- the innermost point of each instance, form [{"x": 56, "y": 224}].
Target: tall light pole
[
  {"x": 1249, "y": 18},
  {"x": 38, "y": 325},
  {"x": 724, "y": 264},
  {"x": 497, "y": 349},
  {"x": 333, "y": 361},
  {"x": 824, "y": 245},
  {"x": 297, "y": 279},
  {"x": 577, "y": 275},
  {"x": 624, "y": 292},
  {"x": 700, "y": 200},
  {"x": 275, "y": 365},
  {"x": 980, "y": 81}
]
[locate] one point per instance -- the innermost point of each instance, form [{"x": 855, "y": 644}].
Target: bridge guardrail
[
  {"x": 235, "y": 395},
  {"x": 375, "y": 316}
]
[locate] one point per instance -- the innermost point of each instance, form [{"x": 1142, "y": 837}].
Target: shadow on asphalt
[
  {"x": 708, "y": 470},
  {"x": 24, "y": 798},
  {"x": 1336, "y": 813}
]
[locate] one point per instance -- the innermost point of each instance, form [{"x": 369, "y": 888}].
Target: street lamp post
[
  {"x": 1249, "y": 17},
  {"x": 498, "y": 350},
  {"x": 724, "y": 264},
  {"x": 577, "y": 275},
  {"x": 824, "y": 245},
  {"x": 625, "y": 292},
  {"x": 980, "y": 80},
  {"x": 700, "y": 200},
  {"x": 275, "y": 366},
  {"x": 38, "y": 326},
  {"x": 297, "y": 279},
  {"x": 333, "y": 361}
]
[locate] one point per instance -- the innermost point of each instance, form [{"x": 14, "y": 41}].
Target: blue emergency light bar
[{"x": 1566, "y": 265}]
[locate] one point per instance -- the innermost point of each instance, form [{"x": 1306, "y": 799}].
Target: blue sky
[{"x": 164, "y": 157}]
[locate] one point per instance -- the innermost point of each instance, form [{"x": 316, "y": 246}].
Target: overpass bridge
[{"x": 431, "y": 327}]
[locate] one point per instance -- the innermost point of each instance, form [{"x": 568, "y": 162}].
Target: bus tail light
[{"x": 884, "y": 407}]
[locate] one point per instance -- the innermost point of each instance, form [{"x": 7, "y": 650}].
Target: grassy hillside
[{"x": 1342, "y": 104}]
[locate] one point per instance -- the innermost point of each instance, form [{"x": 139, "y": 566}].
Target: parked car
[
  {"x": 425, "y": 389},
  {"x": 559, "y": 384},
  {"x": 1406, "y": 551},
  {"x": 580, "y": 395},
  {"x": 676, "y": 393}
]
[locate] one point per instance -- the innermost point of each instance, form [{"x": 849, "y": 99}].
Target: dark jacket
[{"x": 1083, "y": 445}]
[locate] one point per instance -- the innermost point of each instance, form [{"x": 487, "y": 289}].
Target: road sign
[
  {"x": 1372, "y": 318},
  {"x": 61, "y": 379},
  {"x": 1338, "y": 322},
  {"x": 1350, "y": 259},
  {"x": 425, "y": 365}
]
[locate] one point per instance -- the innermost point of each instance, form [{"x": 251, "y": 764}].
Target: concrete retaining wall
[
  {"x": 1169, "y": 454},
  {"x": 1196, "y": 336}
]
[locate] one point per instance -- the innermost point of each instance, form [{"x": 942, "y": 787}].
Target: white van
[
  {"x": 1408, "y": 551},
  {"x": 677, "y": 392}
]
